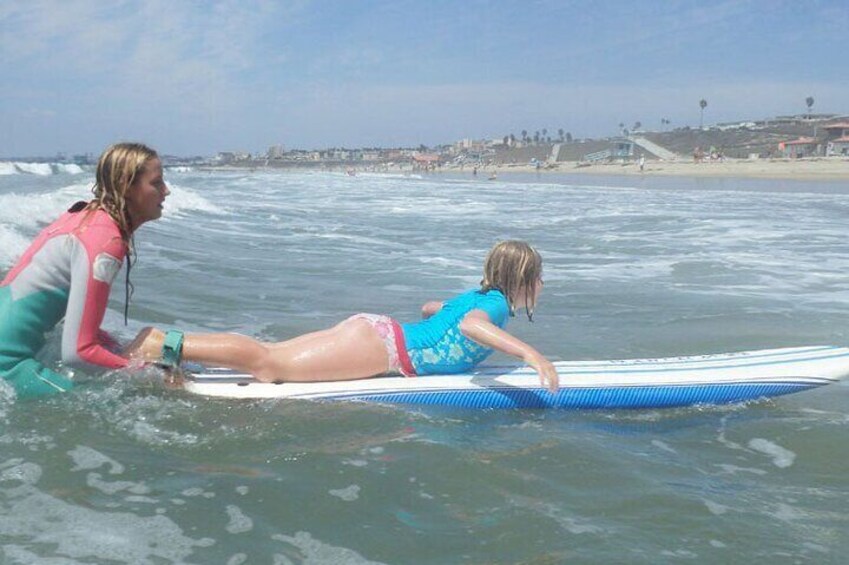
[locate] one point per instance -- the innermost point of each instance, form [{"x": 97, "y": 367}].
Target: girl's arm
[
  {"x": 478, "y": 327},
  {"x": 430, "y": 308}
]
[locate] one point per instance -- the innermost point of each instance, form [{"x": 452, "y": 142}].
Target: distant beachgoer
[
  {"x": 698, "y": 155},
  {"x": 67, "y": 272},
  {"x": 454, "y": 336},
  {"x": 642, "y": 163}
]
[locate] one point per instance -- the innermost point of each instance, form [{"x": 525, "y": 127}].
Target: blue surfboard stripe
[{"x": 588, "y": 398}]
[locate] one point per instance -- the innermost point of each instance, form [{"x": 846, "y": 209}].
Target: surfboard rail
[{"x": 615, "y": 384}]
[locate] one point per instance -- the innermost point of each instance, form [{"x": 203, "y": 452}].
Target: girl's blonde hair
[
  {"x": 117, "y": 170},
  {"x": 513, "y": 266}
]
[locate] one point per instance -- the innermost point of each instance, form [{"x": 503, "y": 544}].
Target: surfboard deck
[{"x": 618, "y": 384}]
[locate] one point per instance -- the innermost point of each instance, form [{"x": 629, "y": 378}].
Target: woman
[
  {"x": 454, "y": 337},
  {"x": 67, "y": 272}
]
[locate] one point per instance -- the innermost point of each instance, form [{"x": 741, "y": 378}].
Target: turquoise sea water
[{"x": 124, "y": 470}]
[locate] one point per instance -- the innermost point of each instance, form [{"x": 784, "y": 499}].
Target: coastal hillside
[{"x": 735, "y": 142}]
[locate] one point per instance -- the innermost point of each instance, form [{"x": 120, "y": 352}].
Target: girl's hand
[{"x": 547, "y": 372}]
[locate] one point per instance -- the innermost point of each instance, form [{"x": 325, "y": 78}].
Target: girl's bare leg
[
  {"x": 221, "y": 350},
  {"x": 349, "y": 350}
]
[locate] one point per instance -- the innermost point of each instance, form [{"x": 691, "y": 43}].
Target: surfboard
[{"x": 618, "y": 384}]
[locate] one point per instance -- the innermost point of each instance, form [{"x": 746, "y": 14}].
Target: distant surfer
[
  {"x": 67, "y": 272},
  {"x": 453, "y": 337}
]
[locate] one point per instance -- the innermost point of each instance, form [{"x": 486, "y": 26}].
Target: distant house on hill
[
  {"x": 425, "y": 161},
  {"x": 834, "y": 142},
  {"x": 837, "y": 138},
  {"x": 802, "y": 147}
]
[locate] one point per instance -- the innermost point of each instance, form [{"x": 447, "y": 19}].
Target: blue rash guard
[{"x": 436, "y": 345}]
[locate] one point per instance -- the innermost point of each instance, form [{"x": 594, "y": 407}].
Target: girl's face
[{"x": 147, "y": 194}]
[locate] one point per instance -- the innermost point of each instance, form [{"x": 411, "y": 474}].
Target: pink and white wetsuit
[{"x": 66, "y": 272}]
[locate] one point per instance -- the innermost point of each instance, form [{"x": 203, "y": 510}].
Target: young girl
[
  {"x": 454, "y": 336},
  {"x": 68, "y": 271}
]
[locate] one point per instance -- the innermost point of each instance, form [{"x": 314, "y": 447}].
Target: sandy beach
[{"x": 832, "y": 168}]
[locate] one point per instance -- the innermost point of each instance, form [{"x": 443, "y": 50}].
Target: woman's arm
[
  {"x": 431, "y": 308},
  {"x": 94, "y": 263},
  {"x": 477, "y": 326}
]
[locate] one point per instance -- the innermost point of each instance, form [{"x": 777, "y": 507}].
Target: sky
[{"x": 195, "y": 77}]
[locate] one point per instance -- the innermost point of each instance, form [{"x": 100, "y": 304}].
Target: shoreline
[
  {"x": 834, "y": 168},
  {"x": 823, "y": 168}
]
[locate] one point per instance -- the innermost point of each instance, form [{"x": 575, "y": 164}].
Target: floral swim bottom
[{"x": 393, "y": 338}]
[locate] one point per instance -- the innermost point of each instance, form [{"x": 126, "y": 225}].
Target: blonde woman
[
  {"x": 453, "y": 337},
  {"x": 67, "y": 272}
]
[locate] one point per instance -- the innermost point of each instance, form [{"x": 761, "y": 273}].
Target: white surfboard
[{"x": 634, "y": 383}]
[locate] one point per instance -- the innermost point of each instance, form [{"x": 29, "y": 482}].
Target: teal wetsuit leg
[
  {"x": 30, "y": 378},
  {"x": 22, "y": 326}
]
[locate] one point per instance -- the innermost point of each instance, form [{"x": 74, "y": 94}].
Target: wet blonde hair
[
  {"x": 513, "y": 266},
  {"x": 117, "y": 170}
]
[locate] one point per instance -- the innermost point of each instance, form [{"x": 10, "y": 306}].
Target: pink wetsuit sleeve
[{"x": 97, "y": 257}]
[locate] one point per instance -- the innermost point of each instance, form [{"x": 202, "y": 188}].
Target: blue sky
[{"x": 197, "y": 77}]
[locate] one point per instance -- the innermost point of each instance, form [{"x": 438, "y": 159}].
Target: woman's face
[{"x": 147, "y": 194}]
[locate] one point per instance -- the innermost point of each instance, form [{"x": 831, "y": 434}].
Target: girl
[
  {"x": 68, "y": 271},
  {"x": 454, "y": 336}
]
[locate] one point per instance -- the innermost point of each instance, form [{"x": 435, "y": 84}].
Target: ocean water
[{"x": 125, "y": 470}]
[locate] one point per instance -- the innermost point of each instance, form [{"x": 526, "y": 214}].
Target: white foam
[
  {"x": 86, "y": 458},
  {"x": 40, "y": 169},
  {"x": 183, "y": 200},
  {"x": 7, "y": 168},
  {"x": 715, "y": 508},
  {"x": 315, "y": 551},
  {"x": 239, "y": 523},
  {"x": 663, "y": 445},
  {"x": 69, "y": 168},
  {"x": 27, "y": 473},
  {"x": 348, "y": 494},
  {"x": 95, "y": 481},
  {"x": 12, "y": 245},
  {"x": 63, "y": 530},
  {"x": 781, "y": 457},
  {"x": 21, "y": 215}
]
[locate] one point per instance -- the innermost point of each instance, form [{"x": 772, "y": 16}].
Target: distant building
[
  {"x": 836, "y": 130},
  {"x": 275, "y": 152},
  {"x": 802, "y": 147}
]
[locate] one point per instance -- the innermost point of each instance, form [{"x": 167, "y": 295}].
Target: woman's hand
[{"x": 546, "y": 370}]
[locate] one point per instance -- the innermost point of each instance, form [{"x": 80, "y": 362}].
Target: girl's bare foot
[{"x": 147, "y": 346}]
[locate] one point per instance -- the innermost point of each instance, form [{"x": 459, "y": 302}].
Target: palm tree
[
  {"x": 702, "y": 105},
  {"x": 544, "y": 132},
  {"x": 637, "y": 125},
  {"x": 524, "y": 135},
  {"x": 536, "y": 137},
  {"x": 512, "y": 139},
  {"x": 568, "y": 137},
  {"x": 810, "y": 102},
  {"x": 560, "y": 133}
]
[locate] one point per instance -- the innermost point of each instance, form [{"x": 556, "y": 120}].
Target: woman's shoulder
[{"x": 99, "y": 231}]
